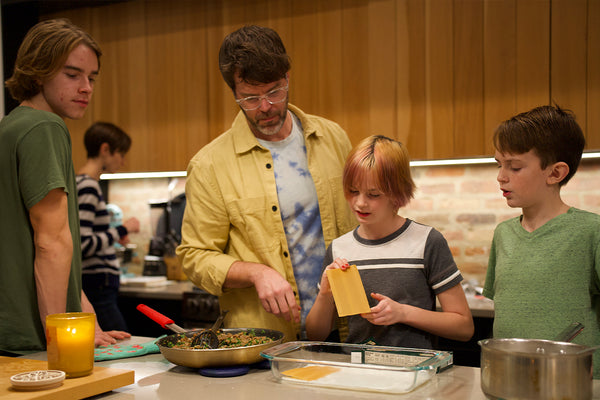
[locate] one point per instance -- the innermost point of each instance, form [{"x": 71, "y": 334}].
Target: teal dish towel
[{"x": 116, "y": 351}]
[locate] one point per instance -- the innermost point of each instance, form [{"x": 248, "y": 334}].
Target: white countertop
[{"x": 156, "y": 378}]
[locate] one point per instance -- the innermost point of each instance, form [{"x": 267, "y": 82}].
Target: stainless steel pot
[
  {"x": 200, "y": 358},
  {"x": 535, "y": 369}
]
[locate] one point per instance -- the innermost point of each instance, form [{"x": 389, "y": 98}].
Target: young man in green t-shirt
[{"x": 40, "y": 271}]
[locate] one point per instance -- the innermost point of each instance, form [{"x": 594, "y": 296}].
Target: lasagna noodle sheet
[
  {"x": 348, "y": 291},
  {"x": 310, "y": 373}
]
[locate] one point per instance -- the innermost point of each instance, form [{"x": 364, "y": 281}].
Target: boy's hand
[{"x": 386, "y": 312}]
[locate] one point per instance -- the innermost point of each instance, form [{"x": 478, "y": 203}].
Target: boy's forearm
[{"x": 320, "y": 319}]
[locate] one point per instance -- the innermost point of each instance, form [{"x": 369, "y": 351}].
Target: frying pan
[
  {"x": 201, "y": 358},
  {"x": 223, "y": 357}
]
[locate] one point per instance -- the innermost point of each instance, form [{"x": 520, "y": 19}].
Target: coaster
[
  {"x": 37, "y": 380},
  {"x": 264, "y": 364},
  {"x": 224, "y": 372}
]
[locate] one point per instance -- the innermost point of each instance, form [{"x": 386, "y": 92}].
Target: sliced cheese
[
  {"x": 310, "y": 373},
  {"x": 348, "y": 291}
]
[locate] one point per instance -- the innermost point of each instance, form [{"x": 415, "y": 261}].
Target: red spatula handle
[{"x": 154, "y": 315}]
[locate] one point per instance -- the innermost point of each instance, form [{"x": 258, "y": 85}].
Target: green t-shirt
[
  {"x": 35, "y": 157},
  {"x": 542, "y": 281}
]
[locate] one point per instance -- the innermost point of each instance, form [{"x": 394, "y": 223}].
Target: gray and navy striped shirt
[{"x": 410, "y": 266}]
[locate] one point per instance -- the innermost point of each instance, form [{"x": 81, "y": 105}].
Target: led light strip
[{"x": 144, "y": 175}]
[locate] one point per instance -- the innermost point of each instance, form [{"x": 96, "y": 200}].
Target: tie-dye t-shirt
[{"x": 299, "y": 209}]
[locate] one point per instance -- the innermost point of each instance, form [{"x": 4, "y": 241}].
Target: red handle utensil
[{"x": 159, "y": 318}]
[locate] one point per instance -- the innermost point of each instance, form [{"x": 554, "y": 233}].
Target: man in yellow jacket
[{"x": 265, "y": 198}]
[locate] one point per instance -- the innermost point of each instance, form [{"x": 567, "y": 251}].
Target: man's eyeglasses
[{"x": 275, "y": 96}]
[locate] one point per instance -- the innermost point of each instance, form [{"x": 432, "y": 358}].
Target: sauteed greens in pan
[{"x": 226, "y": 340}]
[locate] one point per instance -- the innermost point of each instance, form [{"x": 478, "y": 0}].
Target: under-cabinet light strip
[
  {"x": 424, "y": 163},
  {"x": 143, "y": 175}
]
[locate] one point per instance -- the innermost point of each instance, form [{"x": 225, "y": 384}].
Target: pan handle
[{"x": 154, "y": 315}]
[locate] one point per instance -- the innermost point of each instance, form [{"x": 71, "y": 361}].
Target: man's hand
[
  {"x": 275, "y": 293},
  {"x": 101, "y": 338},
  {"x": 109, "y": 337}
]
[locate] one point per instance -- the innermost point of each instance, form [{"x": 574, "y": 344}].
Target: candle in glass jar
[{"x": 70, "y": 343}]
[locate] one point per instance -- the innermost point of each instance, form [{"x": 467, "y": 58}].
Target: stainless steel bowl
[
  {"x": 200, "y": 358},
  {"x": 535, "y": 369}
]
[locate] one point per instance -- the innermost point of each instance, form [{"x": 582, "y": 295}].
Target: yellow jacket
[{"x": 232, "y": 213}]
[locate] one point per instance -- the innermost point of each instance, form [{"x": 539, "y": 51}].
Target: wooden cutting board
[{"x": 99, "y": 381}]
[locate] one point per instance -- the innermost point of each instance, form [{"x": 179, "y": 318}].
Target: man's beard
[{"x": 268, "y": 130}]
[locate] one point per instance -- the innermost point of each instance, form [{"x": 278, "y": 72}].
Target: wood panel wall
[{"x": 438, "y": 75}]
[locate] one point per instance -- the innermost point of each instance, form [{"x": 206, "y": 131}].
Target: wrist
[
  {"x": 248, "y": 273},
  {"x": 122, "y": 231},
  {"x": 326, "y": 295}
]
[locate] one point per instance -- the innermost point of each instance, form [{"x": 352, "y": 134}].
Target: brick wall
[
  {"x": 462, "y": 202},
  {"x": 465, "y": 204}
]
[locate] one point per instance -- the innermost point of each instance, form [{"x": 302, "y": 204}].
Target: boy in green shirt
[{"x": 543, "y": 269}]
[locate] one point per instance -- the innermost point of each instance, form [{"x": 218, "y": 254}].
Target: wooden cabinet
[{"x": 438, "y": 75}]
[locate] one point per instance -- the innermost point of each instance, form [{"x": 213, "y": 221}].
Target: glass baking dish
[{"x": 355, "y": 366}]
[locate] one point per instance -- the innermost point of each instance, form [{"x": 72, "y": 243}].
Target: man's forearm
[
  {"x": 241, "y": 274},
  {"x": 52, "y": 267}
]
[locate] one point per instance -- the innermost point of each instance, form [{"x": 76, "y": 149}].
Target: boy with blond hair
[{"x": 543, "y": 266}]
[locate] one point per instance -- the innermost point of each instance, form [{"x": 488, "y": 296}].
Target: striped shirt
[
  {"x": 97, "y": 236},
  {"x": 410, "y": 266}
]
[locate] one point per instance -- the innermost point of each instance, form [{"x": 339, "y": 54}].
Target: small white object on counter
[{"x": 37, "y": 380}]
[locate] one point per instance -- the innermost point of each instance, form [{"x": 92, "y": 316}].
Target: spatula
[{"x": 208, "y": 338}]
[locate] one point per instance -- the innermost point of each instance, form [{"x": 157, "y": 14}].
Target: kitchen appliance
[
  {"x": 165, "y": 219},
  {"x": 154, "y": 263},
  {"x": 535, "y": 369},
  {"x": 356, "y": 366},
  {"x": 154, "y": 266},
  {"x": 125, "y": 255},
  {"x": 199, "y": 308}
]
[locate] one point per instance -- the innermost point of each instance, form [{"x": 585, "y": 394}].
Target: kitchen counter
[
  {"x": 172, "y": 290},
  {"x": 156, "y": 378},
  {"x": 173, "y": 300}
]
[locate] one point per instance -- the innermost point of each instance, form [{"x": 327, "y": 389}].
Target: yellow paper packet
[{"x": 348, "y": 291}]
